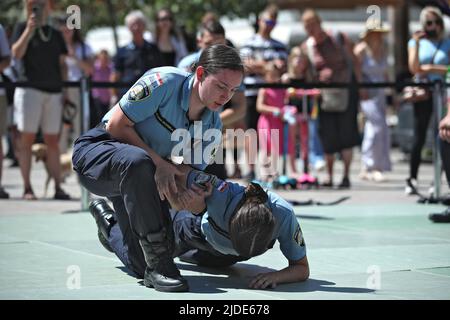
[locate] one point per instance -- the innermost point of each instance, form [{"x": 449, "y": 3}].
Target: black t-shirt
[
  {"x": 41, "y": 60},
  {"x": 132, "y": 61}
]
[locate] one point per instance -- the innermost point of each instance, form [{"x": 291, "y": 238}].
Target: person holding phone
[
  {"x": 42, "y": 50},
  {"x": 428, "y": 57}
]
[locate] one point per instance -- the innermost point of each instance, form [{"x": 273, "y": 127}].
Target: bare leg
[
  {"x": 347, "y": 156},
  {"x": 26, "y": 142},
  {"x": 53, "y": 158},
  {"x": 329, "y": 158}
]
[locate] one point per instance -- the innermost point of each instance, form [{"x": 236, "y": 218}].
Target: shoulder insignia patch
[
  {"x": 144, "y": 87},
  {"x": 298, "y": 236}
]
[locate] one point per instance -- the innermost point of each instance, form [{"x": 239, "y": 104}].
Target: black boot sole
[{"x": 183, "y": 287}]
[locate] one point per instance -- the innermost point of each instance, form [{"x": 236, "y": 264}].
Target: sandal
[{"x": 28, "y": 194}]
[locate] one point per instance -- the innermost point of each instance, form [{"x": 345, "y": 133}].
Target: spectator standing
[
  {"x": 299, "y": 71},
  {"x": 372, "y": 58},
  {"x": 42, "y": 51},
  {"x": 169, "y": 41},
  {"x": 5, "y": 60},
  {"x": 133, "y": 60},
  {"x": 100, "y": 96},
  {"x": 256, "y": 52},
  {"x": 332, "y": 58},
  {"x": 428, "y": 57},
  {"x": 270, "y": 104},
  {"x": 79, "y": 61}
]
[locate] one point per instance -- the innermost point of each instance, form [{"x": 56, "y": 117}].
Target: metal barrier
[{"x": 437, "y": 87}]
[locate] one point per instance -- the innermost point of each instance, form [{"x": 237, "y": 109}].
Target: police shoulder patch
[
  {"x": 298, "y": 236},
  {"x": 144, "y": 87}
]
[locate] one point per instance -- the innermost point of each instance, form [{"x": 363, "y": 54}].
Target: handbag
[
  {"x": 415, "y": 94},
  {"x": 334, "y": 100}
]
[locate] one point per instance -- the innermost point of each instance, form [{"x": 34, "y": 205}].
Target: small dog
[{"x": 39, "y": 151}]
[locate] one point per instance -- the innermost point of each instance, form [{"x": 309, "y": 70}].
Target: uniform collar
[
  {"x": 207, "y": 116},
  {"x": 188, "y": 84}
]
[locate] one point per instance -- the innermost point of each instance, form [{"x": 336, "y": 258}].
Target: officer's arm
[
  {"x": 296, "y": 271},
  {"x": 122, "y": 128}
]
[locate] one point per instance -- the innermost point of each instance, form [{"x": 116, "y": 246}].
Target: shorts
[
  {"x": 34, "y": 109},
  {"x": 3, "y": 115}
]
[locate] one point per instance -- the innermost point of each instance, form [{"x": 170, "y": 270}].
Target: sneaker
[
  {"x": 319, "y": 165},
  {"x": 377, "y": 176},
  {"x": 440, "y": 217},
  {"x": 411, "y": 186}
]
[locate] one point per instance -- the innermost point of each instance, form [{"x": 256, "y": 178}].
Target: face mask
[{"x": 431, "y": 33}]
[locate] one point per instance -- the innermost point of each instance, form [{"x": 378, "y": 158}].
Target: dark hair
[
  {"x": 172, "y": 30},
  {"x": 217, "y": 57},
  {"x": 252, "y": 225},
  {"x": 211, "y": 26}
]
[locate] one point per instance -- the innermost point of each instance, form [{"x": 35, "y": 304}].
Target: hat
[{"x": 373, "y": 25}]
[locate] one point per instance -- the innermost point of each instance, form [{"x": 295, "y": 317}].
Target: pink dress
[{"x": 268, "y": 122}]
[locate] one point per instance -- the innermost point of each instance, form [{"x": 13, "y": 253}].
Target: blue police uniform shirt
[
  {"x": 428, "y": 49},
  {"x": 158, "y": 105},
  {"x": 221, "y": 206}
]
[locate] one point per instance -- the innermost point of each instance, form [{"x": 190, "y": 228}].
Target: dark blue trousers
[
  {"x": 124, "y": 174},
  {"x": 190, "y": 245}
]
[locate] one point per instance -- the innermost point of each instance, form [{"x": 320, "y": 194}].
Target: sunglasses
[
  {"x": 429, "y": 23},
  {"x": 270, "y": 22},
  {"x": 165, "y": 19}
]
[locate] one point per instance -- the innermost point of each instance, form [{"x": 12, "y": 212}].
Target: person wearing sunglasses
[
  {"x": 169, "y": 40},
  {"x": 428, "y": 58},
  {"x": 256, "y": 52}
]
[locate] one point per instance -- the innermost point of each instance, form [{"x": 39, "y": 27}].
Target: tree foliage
[{"x": 95, "y": 13}]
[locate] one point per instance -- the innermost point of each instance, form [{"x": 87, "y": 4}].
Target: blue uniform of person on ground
[
  {"x": 212, "y": 238},
  {"x": 165, "y": 116}
]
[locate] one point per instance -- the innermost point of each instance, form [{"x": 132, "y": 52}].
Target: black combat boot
[
  {"x": 103, "y": 215},
  {"x": 161, "y": 272}
]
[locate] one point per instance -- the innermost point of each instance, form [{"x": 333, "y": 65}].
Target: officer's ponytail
[
  {"x": 217, "y": 57},
  {"x": 252, "y": 225}
]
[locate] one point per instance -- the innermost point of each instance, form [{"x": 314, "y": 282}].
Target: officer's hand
[
  {"x": 165, "y": 179},
  {"x": 264, "y": 280}
]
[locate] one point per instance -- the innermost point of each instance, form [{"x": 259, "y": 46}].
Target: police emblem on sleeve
[
  {"x": 298, "y": 236},
  {"x": 138, "y": 92},
  {"x": 144, "y": 87}
]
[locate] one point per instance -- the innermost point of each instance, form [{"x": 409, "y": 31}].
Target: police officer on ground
[{"x": 237, "y": 223}]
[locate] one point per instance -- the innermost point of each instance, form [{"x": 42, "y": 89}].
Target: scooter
[
  {"x": 306, "y": 180},
  {"x": 284, "y": 181}
]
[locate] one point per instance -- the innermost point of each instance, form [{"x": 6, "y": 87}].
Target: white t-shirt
[{"x": 74, "y": 72}]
